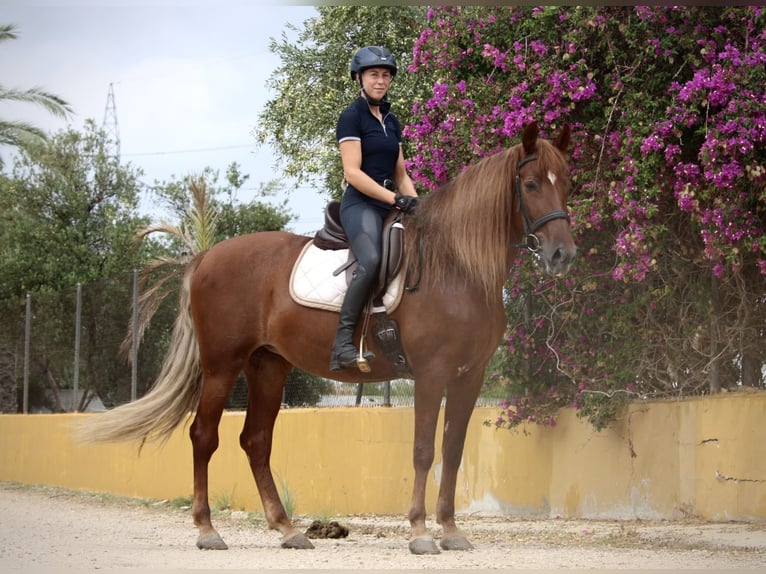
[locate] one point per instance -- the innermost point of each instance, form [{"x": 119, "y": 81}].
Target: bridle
[{"x": 531, "y": 240}]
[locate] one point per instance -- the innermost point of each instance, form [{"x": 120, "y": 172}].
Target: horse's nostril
[{"x": 560, "y": 260}]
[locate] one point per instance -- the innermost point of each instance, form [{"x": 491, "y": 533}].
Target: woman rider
[{"x": 369, "y": 137}]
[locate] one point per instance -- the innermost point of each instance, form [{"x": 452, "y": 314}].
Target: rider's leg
[{"x": 364, "y": 232}]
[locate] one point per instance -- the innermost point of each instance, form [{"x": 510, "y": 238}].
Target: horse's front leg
[
  {"x": 266, "y": 376},
  {"x": 461, "y": 397},
  {"x": 427, "y": 404},
  {"x": 204, "y": 438}
]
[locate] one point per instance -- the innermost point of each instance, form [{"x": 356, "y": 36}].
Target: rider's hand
[{"x": 405, "y": 203}]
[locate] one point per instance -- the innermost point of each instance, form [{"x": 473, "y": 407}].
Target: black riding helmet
[{"x": 372, "y": 57}]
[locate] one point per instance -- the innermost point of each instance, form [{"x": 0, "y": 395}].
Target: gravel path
[{"x": 52, "y": 529}]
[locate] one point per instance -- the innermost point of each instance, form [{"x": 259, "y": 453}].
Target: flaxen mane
[{"x": 469, "y": 222}]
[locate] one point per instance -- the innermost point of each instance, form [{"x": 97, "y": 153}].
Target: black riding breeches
[{"x": 363, "y": 224}]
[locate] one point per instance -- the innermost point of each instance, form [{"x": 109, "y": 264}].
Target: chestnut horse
[{"x": 237, "y": 315}]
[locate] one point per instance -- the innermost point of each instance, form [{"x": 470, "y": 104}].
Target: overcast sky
[{"x": 187, "y": 76}]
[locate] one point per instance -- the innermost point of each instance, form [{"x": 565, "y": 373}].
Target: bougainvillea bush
[{"x": 668, "y": 110}]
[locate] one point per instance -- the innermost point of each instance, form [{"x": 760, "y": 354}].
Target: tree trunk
[{"x": 715, "y": 360}]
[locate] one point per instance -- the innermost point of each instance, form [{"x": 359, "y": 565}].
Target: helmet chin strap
[{"x": 371, "y": 101}]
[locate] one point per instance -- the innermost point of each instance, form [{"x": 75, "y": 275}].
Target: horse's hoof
[
  {"x": 455, "y": 543},
  {"x": 423, "y": 545},
  {"x": 297, "y": 542},
  {"x": 211, "y": 541}
]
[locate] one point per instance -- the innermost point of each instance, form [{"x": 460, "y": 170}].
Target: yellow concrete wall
[{"x": 666, "y": 459}]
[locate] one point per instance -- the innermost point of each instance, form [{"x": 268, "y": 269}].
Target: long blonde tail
[{"x": 174, "y": 395}]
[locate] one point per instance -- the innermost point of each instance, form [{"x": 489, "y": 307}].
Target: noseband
[{"x": 531, "y": 240}]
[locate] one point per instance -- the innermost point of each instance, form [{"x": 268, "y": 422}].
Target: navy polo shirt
[{"x": 380, "y": 142}]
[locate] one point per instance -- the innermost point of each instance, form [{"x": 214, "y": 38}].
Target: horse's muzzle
[{"x": 559, "y": 260}]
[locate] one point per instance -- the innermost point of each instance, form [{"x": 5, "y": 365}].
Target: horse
[{"x": 236, "y": 315}]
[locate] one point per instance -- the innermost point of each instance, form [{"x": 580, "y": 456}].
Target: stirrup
[
  {"x": 359, "y": 360},
  {"x": 363, "y": 361},
  {"x": 364, "y": 357}
]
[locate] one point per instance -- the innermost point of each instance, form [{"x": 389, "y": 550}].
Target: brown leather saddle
[
  {"x": 385, "y": 330},
  {"x": 332, "y": 236}
]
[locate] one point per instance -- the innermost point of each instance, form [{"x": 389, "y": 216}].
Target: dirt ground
[{"x": 44, "y": 528}]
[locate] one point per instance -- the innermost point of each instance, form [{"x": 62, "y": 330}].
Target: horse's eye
[{"x": 530, "y": 185}]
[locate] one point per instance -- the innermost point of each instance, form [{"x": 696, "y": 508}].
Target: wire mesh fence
[
  {"x": 65, "y": 348},
  {"x": 70, "y": 350}
]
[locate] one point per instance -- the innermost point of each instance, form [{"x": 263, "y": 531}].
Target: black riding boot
[{"x": 344, "y": 352}]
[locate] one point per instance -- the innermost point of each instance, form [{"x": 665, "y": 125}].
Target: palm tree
[
  {"x": 196, "y": 233},
  {"x": 15, "y": 133}
]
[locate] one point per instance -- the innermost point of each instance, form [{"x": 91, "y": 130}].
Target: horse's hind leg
[
  {"x": 204, "y": 437},
  {"x": 266, "y": 374}
]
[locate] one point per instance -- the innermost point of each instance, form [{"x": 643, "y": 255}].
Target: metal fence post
[
  {"x": 387, "y": 394},
  {"x": 134, "y": 342},
  {"x": 77, "y": 324},
  {"x": 27, "y": 330}
]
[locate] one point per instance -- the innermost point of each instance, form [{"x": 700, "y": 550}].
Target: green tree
[
  {"x": 68, "y": 212},
  {"x": 668, "y": 113},
  {"x": 313, "y": 84},
  {"x": 15, "y": 133},
  {"x": 233, "y": 217}
]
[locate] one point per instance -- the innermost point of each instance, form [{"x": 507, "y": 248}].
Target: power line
[{"x": 192, "y": 150}]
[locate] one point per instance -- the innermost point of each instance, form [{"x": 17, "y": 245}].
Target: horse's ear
[
  {"x": 529, "y": 138},
  {"x": 562, "y": 142}
]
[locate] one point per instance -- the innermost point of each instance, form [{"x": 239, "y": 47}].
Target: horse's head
[{"x": 542, "y": 185}]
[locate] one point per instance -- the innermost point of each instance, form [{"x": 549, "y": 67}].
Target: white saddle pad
[{"x": 312, "y": 283}]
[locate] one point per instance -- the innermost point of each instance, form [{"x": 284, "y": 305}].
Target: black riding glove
[{"x": 405, "y": 203}]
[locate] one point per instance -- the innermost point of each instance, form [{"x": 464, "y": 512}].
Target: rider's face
[{"x": 376, "y": 82}]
